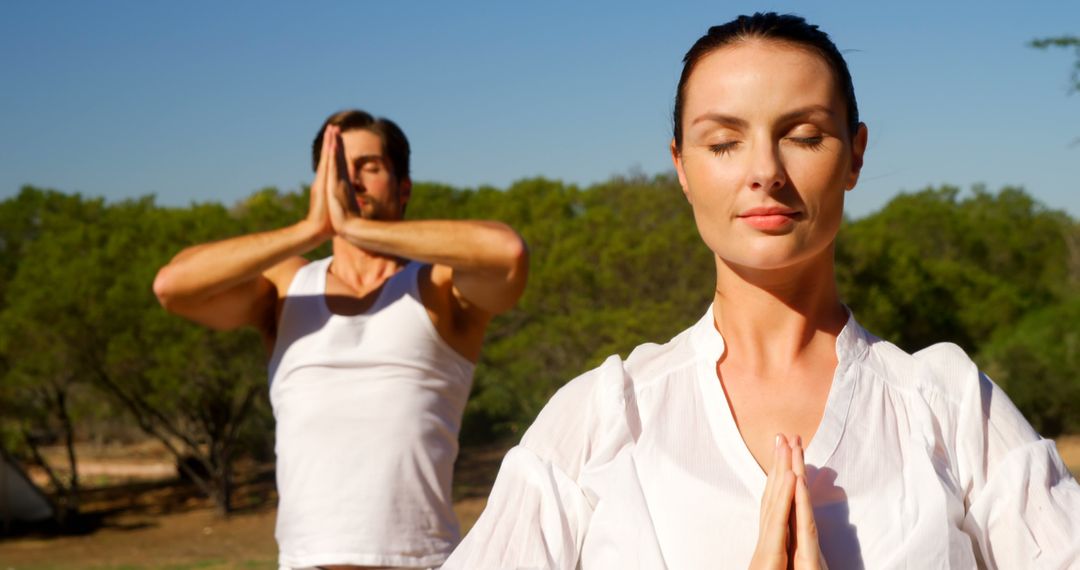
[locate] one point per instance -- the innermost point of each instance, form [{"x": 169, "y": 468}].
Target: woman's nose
[{"x": 766, "y": 170}]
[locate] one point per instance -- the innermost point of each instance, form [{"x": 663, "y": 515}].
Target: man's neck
[{"x": 360, "y": 269}]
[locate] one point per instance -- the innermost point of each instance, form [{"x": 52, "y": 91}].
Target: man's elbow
[
  {"x": 165, "y": 289},
  {"x": 515, "y": 253}
]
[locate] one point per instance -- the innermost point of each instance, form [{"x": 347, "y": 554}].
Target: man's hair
[
  {"x": 395, "y": 145},
  {"x": 769, "y": 26}
]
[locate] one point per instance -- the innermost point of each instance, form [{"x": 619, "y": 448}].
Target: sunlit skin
[
  {"x": 473, "y": 269},
  {"x": 755, "y": 139},
  {"x": 477, "y": 268},
  {"x": 380, "y": 195},
  {"x": 365, "y": 203},
  {"x": 765, "y": 161}
]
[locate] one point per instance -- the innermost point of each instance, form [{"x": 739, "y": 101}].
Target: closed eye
[
  {"x": 369, "y": 163},
  {"x": 812, "y": 143},
  {"x": 720, "y": 149}
]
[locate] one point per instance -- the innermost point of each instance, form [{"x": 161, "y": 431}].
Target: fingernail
[
  {"x": 798, "y": 440},
  {"x": 777, "y": 440}
]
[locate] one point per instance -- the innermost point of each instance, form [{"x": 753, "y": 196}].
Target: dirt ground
[
  {"x": 141, "y": 517},
  {"x": 1069, "y": 448},
  {"x": 162, "y": 524}
]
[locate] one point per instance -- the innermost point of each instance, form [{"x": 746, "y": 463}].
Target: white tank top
[{"x": 368, "y": 409}]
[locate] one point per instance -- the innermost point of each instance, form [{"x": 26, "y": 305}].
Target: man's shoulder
[
  {"x": 439, "y": 294},
  {"x": 282, "y": 274}
]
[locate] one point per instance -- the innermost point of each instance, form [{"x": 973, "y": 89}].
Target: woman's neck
[{"x": 776, "y": 320}]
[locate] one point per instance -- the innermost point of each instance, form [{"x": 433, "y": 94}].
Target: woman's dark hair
[
  {"x": 394, "y": 143},
  {"x": 768, "y": 26}
]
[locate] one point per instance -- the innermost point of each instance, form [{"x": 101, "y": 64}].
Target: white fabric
[
  {"x": 919, "y": 462},
  {"x": 368, "y": 409}
]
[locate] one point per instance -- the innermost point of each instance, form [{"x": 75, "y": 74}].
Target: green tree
[
  {"x": 932, "y": 267},
  {"x": 1036, "y": 363},
  {"x": 1066, "y": 41},
  {"x": 611, "y": 267},
  {"x": 79, "y": 310},
  {"x": 41, "y": 389}
]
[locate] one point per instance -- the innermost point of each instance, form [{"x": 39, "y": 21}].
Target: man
[{"x": 372, "y": 349}]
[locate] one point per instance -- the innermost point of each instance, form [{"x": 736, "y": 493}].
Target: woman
[{"x": 691, "y": 454}]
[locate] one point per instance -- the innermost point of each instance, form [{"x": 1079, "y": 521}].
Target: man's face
[{"x": 379, "y": 193}]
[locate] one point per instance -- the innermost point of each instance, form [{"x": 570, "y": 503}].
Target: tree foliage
[
  {"x": 612, "y": 266},
  {"x": 1065, "y": 42},
  {"x": 79, "y": 311}
]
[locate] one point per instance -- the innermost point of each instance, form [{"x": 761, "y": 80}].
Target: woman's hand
[
  {"x": 805, "y": 548},
  {"x": 787, "y": 533}
]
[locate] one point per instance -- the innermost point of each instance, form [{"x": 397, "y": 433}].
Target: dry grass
[
  {"x": 164, "y": 525},
  {"x": 1069, "y": 448}
]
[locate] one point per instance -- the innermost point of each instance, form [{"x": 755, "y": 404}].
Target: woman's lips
[{"x": 769, "y": 218}]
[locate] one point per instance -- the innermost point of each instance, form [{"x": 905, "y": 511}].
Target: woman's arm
[
  {"x": 1023, "y": 505},
  {"x": 539, "y": 511}
]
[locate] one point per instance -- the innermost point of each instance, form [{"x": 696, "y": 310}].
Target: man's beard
[{"x": 374, "y": 210}]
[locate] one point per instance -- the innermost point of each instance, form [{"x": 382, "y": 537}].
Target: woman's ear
[
  {"x": 858, "y": 148},
  {"x": 676, "y": 159}
]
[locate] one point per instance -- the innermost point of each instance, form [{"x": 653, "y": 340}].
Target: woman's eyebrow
[
  {"x": 737, "y": 122},
  {"x": 807, "y": 112},
  {"x": 721, "y": 118}
]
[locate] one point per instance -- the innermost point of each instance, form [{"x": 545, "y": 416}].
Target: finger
[
  {"x": 807, "y": 548},
  {"x": 770, "y": 480},
  {"x": 783, "y": 461},
  {"x": 342, "y": 171},
  {"x": 329, "y": 173},
  {"x": 324, "y": 154},
  {"x": 345, "y": 187},
  {"x": 317, "y": 192},
  {"x": 773, "y": 534},
  {"x": 798, "y": 460},
  {"x": 334, "y": 199},
  {"x": 776, "y": 470},
  {"x": 328, "y": 155}
]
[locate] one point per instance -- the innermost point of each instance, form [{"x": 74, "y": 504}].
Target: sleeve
[
  {"x": 1023, "y": 505},
  {"x": 535, "y": 518},
  {"x": 537, "y": 514}
]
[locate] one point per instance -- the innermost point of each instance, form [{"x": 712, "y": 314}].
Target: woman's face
[{"x": 766, "y": 156}]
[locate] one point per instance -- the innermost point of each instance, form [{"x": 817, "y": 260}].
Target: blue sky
[{"x": 196, "y": 101}]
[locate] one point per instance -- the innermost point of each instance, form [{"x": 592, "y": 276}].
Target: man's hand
[
  {"x": 236, "y": 281},
  {"x": 340, "y": 196},
  {"x": 787, "y": 535},
  {"x": 485, "y": 262},
  {"x": 318, "y": 217}
]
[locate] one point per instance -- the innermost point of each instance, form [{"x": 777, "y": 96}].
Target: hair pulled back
[
  {"x": 768, "y": 26},
  {"x": 394, "y": 143}
]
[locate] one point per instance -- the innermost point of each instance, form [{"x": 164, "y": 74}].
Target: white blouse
[{"x": 919, "y": 462}]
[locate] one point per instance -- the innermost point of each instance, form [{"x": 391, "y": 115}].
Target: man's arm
[
  {"x": 235, "y": 282},
  {"x": 488, "y": 260}
]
